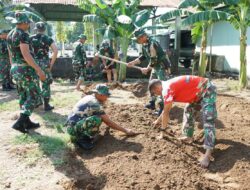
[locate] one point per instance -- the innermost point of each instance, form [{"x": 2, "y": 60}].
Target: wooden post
[{"x": 177, "y": 46}]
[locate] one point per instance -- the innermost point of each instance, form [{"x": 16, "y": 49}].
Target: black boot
[
  {"x": 21, "y": 123},
  {"x": 47, "y": 107},
  {"x": 5, "y": 87},
  {"x": 85, "y": 143},
  {"x": 32, "y": 125},
  {"x": 10, "y": 87},
  {"x": 150, "y": 105}
]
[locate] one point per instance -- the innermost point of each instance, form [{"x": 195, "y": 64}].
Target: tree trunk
[
  {"x": 203, "y": 55},
  {"x": 123, "y": 68},
  {"x": 243, "y": 59}
]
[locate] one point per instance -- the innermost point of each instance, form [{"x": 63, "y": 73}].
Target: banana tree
[
  {"x": 121, "y": 18},
  {"x": 204, "y": 16},
  {"x": 240, "y": 19},
  {"x": 7, "y": 13}
]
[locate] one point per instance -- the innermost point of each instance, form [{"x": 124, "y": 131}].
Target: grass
[
  {"x": 61, "y": 100},
  {"x": 54, "y": 144},
  {"x": 9, "y": 106},
  {"x": 51, "y": 147}
]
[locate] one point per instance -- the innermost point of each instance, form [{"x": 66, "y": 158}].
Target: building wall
[{"x": 226, "y": 43}]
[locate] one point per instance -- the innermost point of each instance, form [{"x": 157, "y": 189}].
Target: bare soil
[{"x": 142, "y": 162}]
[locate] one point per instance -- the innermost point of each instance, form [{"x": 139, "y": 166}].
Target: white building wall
[{"x": 226, "y": 42}]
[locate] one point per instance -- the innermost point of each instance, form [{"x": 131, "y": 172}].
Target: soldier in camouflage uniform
[
  {"x": 79, "y": 61},
  {"x": 87, "y": 116},
  {"x": 24, "y": 71},
  {"x": 41, "y": 44},
  {"x": 109, "y": 66},
  {"x": 5, "y": 62},
  {"x": 200, "y": 95},
  {"x": 158, "y": 61}
]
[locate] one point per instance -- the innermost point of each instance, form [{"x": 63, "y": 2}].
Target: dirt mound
[
  {"x": 147, "y": 161},
  {"x": 139, "y": 89}
]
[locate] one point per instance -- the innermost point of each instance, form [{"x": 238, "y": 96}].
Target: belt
[{"x": 19, "y": 65}]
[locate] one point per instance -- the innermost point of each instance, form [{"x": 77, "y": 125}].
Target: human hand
[
  {"x": 155, "y": 123},
  {"x": 41, "y": 75},
  {"x": 129, "y": 132},
  {"x": 144, "y": 71},
  {"x": 131, "y": 64}
]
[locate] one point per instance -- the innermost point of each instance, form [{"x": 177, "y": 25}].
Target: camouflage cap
[
  {"x": 21, "y": 17},
  {"x": 82, "y": 36},
  {"x": 40, "y": 26},
  {"x": 139, "y": 32},
  {"x": 102, "y": 89}
]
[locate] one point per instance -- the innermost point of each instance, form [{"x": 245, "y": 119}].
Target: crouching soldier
[
  {"x": 199, "y": 94},
  {"x": 87, "y": 116}
]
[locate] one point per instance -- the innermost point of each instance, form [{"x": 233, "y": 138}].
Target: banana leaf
[
  {"x": 141, "y": 18},
  {"x": 101, "y": 4},
  {"x": 172, "y": 14},
  {"x": 189, "y": 3},
  {"x": 206, "y": 16}
]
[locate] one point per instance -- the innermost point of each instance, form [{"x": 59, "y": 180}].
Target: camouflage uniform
[
  {"x": 208, "y": 106},
  {"x": 108, "y": 52},
  {"x": 41, "y": 44},
  {"x": 79, "y": 60},
  {"x": 85, "y": 120},
  {"x": 158, "y": 62},
  {"x": 4, "y": 63},
  {"x": 24, "y": 75}
]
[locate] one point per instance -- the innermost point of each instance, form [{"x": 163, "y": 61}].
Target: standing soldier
[
  {"x": 109, "y": 66},
  {"x": 24, "y": 71},
  {"x": 5, "y": 62},
  {"x": 41, "y": 44},
  {"x": 158, "y": 61},
  {"x": 79, "y": 61}
]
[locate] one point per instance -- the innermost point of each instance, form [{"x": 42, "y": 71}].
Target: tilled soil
[{"x": 148, "y": 161}]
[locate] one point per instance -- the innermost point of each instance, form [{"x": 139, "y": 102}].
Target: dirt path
[{"x": 46, "y": 159}]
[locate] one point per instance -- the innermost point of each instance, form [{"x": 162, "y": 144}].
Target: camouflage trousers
[
  {"x": 207, "y": 105},
  {"x": 44, "y": 65},
  {"x": 5, "y": 71},
  {"x": 86, "y": 127},
  {"x": 28, "y": 91},
  {"x": 161, "y": 75},
  {"x": 79, "y": 71}
]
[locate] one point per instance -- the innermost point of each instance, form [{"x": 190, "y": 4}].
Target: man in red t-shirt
[{"x": 198, "y": 93}]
